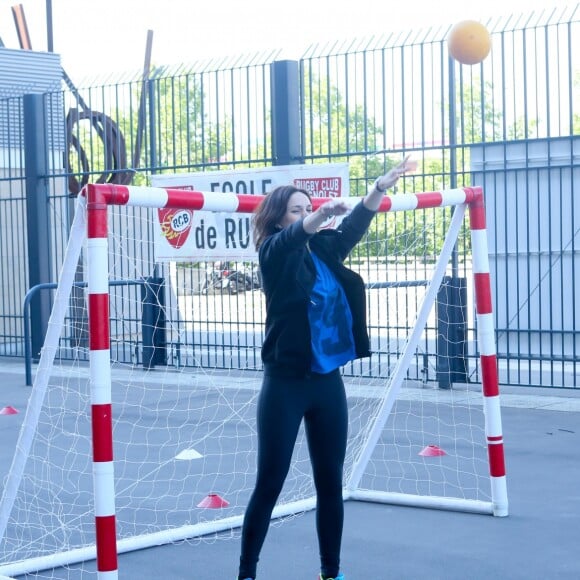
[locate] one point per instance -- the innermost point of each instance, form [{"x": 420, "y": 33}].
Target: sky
[{"x": 99, "y": 37}]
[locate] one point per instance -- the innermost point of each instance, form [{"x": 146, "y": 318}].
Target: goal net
[{"x": 140, "y": 428}]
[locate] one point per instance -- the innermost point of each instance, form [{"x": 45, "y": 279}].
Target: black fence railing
[{"x": 510, "y": 124}]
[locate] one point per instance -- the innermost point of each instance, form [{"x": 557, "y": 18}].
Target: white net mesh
[{"x": 184, "y": 405}]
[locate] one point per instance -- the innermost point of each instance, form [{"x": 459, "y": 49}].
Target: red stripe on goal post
[
  {"x": 482, "y": 285},
  {"x": 102, "y": 424},
  {"x": 489, "y": 378},
  {"x": 106, "y": 543},
  {"x": 477, "y": 210},
  {"x": 99, "y": 336},
  {"x": 182, "y": 198},
  {"x": 386, "y": 204},
  {"x": 248, "y": 203},
  {"x": 432, "y": 199},
  {"x": 496, "y": 459},
  {"x": 97, "y": 228}
]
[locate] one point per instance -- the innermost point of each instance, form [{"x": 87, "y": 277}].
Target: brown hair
[{"x": 271, "y": 210}]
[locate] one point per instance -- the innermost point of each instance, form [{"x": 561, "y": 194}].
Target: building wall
[
  {"x": 532, "y": 220},
  {"x": 21, "y": 72}
]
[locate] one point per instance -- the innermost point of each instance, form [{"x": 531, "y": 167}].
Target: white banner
[{"x": 185, "y": 235}]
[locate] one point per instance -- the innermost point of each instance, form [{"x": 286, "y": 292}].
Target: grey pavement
[{"x": 539, "y": 540}]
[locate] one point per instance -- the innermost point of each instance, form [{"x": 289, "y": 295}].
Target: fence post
[
  {"x": 285, "y": 90},
  {"x": 153, "y": 322},
  {"x": 37, "y": 213},
  {"x": 451, "y": 308}
]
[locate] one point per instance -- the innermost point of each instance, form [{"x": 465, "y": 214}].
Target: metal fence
[{"x": 510, "y": 124}]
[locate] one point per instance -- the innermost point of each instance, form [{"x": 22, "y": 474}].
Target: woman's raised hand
[
  {"x": 389, "y": 179},
  {"x": 333, "y": 207}
]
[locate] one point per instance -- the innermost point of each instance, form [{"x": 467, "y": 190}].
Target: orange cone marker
[
  {"x": 213, "y": 501},
  {"x": 432, "y": 451}
]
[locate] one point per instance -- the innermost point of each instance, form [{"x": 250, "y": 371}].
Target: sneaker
[{"x": 339, "y": 577}]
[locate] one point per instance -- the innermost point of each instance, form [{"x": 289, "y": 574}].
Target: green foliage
[
  {"x": 186, "y": 137},
  {"x": 333, "y": 129},
  {"x": 336, "y": 128}
]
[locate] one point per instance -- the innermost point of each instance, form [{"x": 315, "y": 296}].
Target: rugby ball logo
[{"x": 175, "y": 225}]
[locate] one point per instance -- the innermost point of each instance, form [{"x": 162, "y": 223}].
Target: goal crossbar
[{"x": 99, "y": 196}]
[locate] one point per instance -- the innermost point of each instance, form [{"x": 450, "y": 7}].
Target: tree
[{"x": 185, "y": 135}]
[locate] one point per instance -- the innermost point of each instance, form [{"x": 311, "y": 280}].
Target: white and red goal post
[{"x": 99, "y": 197}]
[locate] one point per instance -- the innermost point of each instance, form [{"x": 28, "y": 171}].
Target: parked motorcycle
[
  {"x": 220, "y": 277},
  {"x": 253, "y": 276}
]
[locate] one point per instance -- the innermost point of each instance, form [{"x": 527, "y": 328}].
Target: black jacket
[{"x": 288, "y": 276}]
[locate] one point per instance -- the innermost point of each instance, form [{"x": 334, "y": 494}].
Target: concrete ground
[{"x": 539, "y": 540}]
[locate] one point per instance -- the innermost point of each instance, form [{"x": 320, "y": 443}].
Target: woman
[{"x": 315, "y": 323}]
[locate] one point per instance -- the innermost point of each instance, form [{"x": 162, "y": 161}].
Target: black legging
[{"x": 321, "y": 401}]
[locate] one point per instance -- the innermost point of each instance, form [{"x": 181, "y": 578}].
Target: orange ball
[{"x": 469, "y": 42}]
